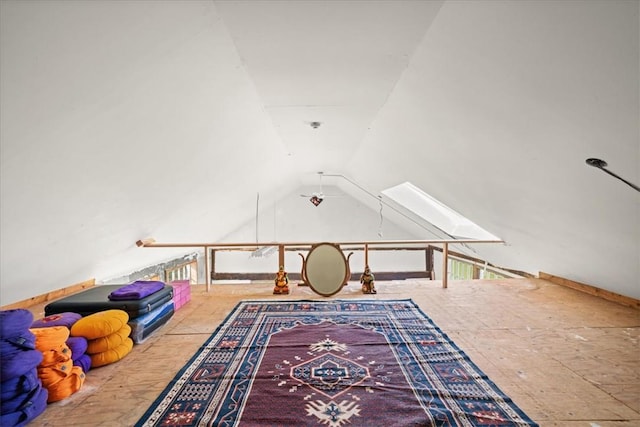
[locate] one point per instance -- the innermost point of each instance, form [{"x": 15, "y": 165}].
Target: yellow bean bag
[
  {"x": 100, "y": 324},
  {"x": 109, "y": 342},
  {"x": 50, "y": 338},
  {"x": 111, "y": 355}
]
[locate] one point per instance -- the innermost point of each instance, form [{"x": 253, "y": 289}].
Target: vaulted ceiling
[{"x": 124, "y": 120}]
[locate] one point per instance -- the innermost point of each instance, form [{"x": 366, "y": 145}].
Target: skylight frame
[{"x": 433, "y": 211}]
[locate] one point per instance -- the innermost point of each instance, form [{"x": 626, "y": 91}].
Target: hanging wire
[
  {"x": 381, "y": 217},
  {"x": 257, "y": 210},
  {"x": 258, "y": 252},
  {"x": 388, "y": 205},
  {"x": 263, "y": 251}
]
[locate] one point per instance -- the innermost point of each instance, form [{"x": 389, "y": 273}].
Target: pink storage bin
[{"x": 181, "y": 293}]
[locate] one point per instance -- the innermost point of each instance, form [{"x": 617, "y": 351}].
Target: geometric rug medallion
[{"x": 332, "y": 363}]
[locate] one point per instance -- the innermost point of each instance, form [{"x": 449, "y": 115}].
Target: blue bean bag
[
  {"x": 19, "y": 364},
  {"x": 78, "y": 346},
  {"x": 14, "y": 387},
  {"x": 14, "y": 404},
  {"x": 14, "y": 322},
  {"x": 18, "y": 343},
  {"x": 84, "y": 362},
  {"x": 29, "y": 410},
  {"x": 60, "y": 319}
]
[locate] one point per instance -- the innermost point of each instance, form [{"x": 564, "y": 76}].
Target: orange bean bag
[
  {"x": 50, "y": 375},
  {"x": 56, "y": 355},
  {"x": 51, "y": 337},
  {"x": 67, "y": 386}
]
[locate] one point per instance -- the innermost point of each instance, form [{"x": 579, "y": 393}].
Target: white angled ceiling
[
  {"x": 121, "y": 120},
  {"x": 333, "y": 62}
]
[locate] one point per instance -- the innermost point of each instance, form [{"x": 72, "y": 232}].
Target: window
[{"x": 433, "y": 211}]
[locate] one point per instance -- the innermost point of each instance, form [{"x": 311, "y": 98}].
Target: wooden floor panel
[{"x": 566, "y": 358}]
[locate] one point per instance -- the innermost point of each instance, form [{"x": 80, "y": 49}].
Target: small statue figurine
[
  {"x": 282, "y": 282},
  {"x": 367, "y": 280}
]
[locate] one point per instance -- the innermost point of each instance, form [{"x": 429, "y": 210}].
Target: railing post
[
  {"x": 366, "y": 255},
  {"x": 445, "y": 267},
  {"x": 281, "y": 256},
  {"x": 428, "y": 255},
  {"x": 207, "y": 274},
  {"x": 476, "y": 272}
]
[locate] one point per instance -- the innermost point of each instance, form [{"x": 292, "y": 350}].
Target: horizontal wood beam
[
  {"x": 51, "y": 296},
  {"x": 219, "y": 245},
  {"x": 355, "y": 276},
  {"x": 591, "y": 290},
  {"x": 345, "y": 248}
]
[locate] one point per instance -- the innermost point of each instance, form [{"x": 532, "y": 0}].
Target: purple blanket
[{"x": 136, "y": 290}]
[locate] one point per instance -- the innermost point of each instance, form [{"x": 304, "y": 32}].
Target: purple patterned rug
[{"x": 331, "y": 363}]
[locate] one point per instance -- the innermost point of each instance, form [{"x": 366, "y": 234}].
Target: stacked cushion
[
  {"x": 56, "y": 371},
  {"x": 77, "y": 345},
  {"x": 107, "y": 334},
  {"x": 61, "y": 319},
  {"x": 22, "y": 397},
  {"x": 137, "y": 290},
  {"x": 108, "y": 342}
]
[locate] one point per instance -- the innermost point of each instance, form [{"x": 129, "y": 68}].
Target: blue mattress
[{"x": 145, "y": 325}]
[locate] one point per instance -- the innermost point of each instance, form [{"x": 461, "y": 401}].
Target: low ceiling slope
[
  {"x": 499, "y": 108},
  {"x": 123, "y": 120}
]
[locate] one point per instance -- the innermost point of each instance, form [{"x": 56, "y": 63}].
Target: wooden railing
[
  {"x": 365, "y": 245},
  {"x": 427, "y": 272},
  {"x": 185, "y": 271}
]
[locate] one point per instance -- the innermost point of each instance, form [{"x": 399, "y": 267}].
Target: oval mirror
[{"x": 326, "y": 269}]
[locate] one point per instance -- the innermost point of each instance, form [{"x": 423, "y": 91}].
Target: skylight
[{"x": 433, "y": 211}]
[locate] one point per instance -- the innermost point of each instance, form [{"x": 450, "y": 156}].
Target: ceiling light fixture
[
  {"x": 601, "y": 164},
  {"x": 316, "y": 200}
]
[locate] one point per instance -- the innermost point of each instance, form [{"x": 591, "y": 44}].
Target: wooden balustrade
[{"x": 366, "y": 246}]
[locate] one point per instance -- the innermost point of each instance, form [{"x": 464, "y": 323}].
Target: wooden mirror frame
[{"x": 325, "y": 270}]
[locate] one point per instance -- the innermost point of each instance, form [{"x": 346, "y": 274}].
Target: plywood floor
[{"x": 565, "y": 358}]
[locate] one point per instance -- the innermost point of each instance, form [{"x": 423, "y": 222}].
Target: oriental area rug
[{"x": 332, "y": 363}]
